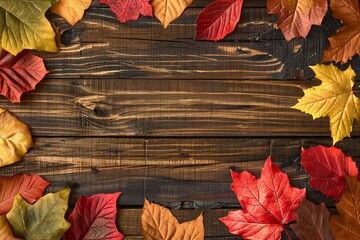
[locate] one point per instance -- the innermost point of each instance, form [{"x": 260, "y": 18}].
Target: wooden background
[{"x": 152, "y": 113}]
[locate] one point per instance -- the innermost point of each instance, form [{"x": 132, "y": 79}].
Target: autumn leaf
[
  {"x": 312, "y": 221},
  {"x": 127, "y": 10},
  {"x": 94, "y": 217},
  {"x": 333, "y": 98},
  {"x": 19, "y": 74},
  {"x": 218, "y": 19},
  {"x": 158, "y": 223},
  {"x": 346, "y": 42},
  {"x": 328, "y": 168},
  {"x": 30, "y": 187},
  {"x": 72, "y": 10},
  {"x": 347, "y": 225},
  {"x": 5, "y": 230},
  {"x": 43, "y": 220},
  {"x": 15, "y": 138},
  {"x": 297, "y": 16},
  {"x": 268, "y": 203},
  {"x": 23, "y": 26},
  {"x": 169, "y": 10}
]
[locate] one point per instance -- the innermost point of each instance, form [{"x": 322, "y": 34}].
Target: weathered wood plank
[
  {"x": 180, "y": 173},
  {"x": 143, "y": 49},
  {"x": 92, "y": 107}
]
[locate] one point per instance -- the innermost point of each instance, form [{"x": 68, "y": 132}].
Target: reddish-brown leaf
[
  {"x": 127, "y": 10},
  {"x": 30, "y": 187},
  {"x": 218, "y": 19},
  {"x": 19, "y": 74},
  {"x": 94, "y": 217},
  {"x": 312, "y": 222},
  {"x": 346, "y": 42},
  {"x": 328, "y": 168},
  {"x": 268, "y": 203},
  {"x": 297, "y": 16}
]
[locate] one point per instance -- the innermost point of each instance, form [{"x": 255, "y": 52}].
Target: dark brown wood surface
[{"x": 152, "y": 113}]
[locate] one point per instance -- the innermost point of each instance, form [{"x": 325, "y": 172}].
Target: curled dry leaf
[
  {"x": 158, "y": 223},
  {"x": 43, "y": 220},
  {"x": 5, "y": 230},
  {"x": 346, "y": 42},
  {"x": 268, "y": 203},
  {"x": 169, "y": 10},
  {"x": 297, "y": 16},
  {"x": 312, "y": 222},
  {"x": 20, "y": 74},
  {"x": 15, "y": 138},
  {"x": 19, "y": 33},
  {"x": 72, "y": 10},
  {"x": 347, "y": 225},
  {"x": 333, "y": 98},
  {"x": 328, "y": 169},
  {"x": 94, "y": 217}
]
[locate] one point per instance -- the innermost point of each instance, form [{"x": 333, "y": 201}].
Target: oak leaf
[
  {"x": 5, "y": 230},
  {"x": 312, "y": 222},
  {"x": 333, "y": 98},
  {"x": 346, "y": 42},
  {"x": 218, "y": 19},
  {"x": 297, "y": 16},
  {"x": 268, "y": 203},
  {"x": 30, "y": 187},
  {"x": 127, "y": 10},
  {"x": 19, "y": 74},
  {"x": 43, "y": 220},
  {"x": 328, "y": 169},
  {"x": 23, "y": 25},
  {"x": 15, "y": 138},
  {"x": 169, "y": 10},
  {"x": 347, "y": 225},
  {"x": 94, "y": 217},
  {"x": 158, "y": 223},
  {"x": 72, "y": 10}
]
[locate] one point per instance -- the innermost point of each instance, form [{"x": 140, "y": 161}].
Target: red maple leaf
[
  {"x": 268, "y": 203},
  {"x": 20, "y": 73},
  {"x": 328, "y": 168},
  {"x": 218, "y": 19},
  {"x": 94, "y": 217},
  {"x": 127, "y": 10}
]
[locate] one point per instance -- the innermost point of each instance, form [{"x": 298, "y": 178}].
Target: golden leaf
[
  {"x": 71, "y": 10},
  {"x": 347, "y": 225},
  {"x": 5, "y": 230},
  {"x": 43, "y": 220},
  {"x": 15, "y": 138},
  {"x": 158, "y": 223},
  {"x": 333, "y": 98},
  {"x": 169, "y": 10}
]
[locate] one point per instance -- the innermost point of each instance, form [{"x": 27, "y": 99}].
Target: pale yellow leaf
[
  {"x": 71, "y": 10},
  {"x": 169, "y": 10},
  {"x": 5, "y": 230}
]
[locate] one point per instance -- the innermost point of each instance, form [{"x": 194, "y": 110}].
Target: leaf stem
[
  {"x": 356, "y": 91},
  {"x": 287, "y": 234}
]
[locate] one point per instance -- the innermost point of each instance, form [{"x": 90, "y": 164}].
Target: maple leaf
[
  {"x": 15, "y": 138},
  {"x": 71, "y": 10},
  {"x": 297, "y": 16},
  {"x": 5, "y": 230},
  {"x": 268, "y": 203},
  {"x": 158, "y": 223},
  {"x": 30, "y": 187},
  {"x": 312, "y": 221},
  {"x": 94, "y": 217},
  {"x": 218, "y": 19},
  {"x": 346, "y": 42},
  {"x": 23, "y": 26},
  {"x": 328, "y": 168},
  {"x": 347, "y": 224},
  {"x": 169, "y": 10},
  {"x": 43, "y": 220},
  {"x": 127, "y": 10},
  {"x": 19, "y": 74},
  {"x": 333, "y": 98}
]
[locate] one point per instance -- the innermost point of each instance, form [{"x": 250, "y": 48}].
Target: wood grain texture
[{"x": 179, "y": 173}]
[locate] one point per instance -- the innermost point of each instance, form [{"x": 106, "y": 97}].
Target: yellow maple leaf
[
  {"x": 5, "y": 230},
  {"x": 169, "y": 10},
  {"x": 334, "y": 98},
  {"x": 71, "y": 10}
]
